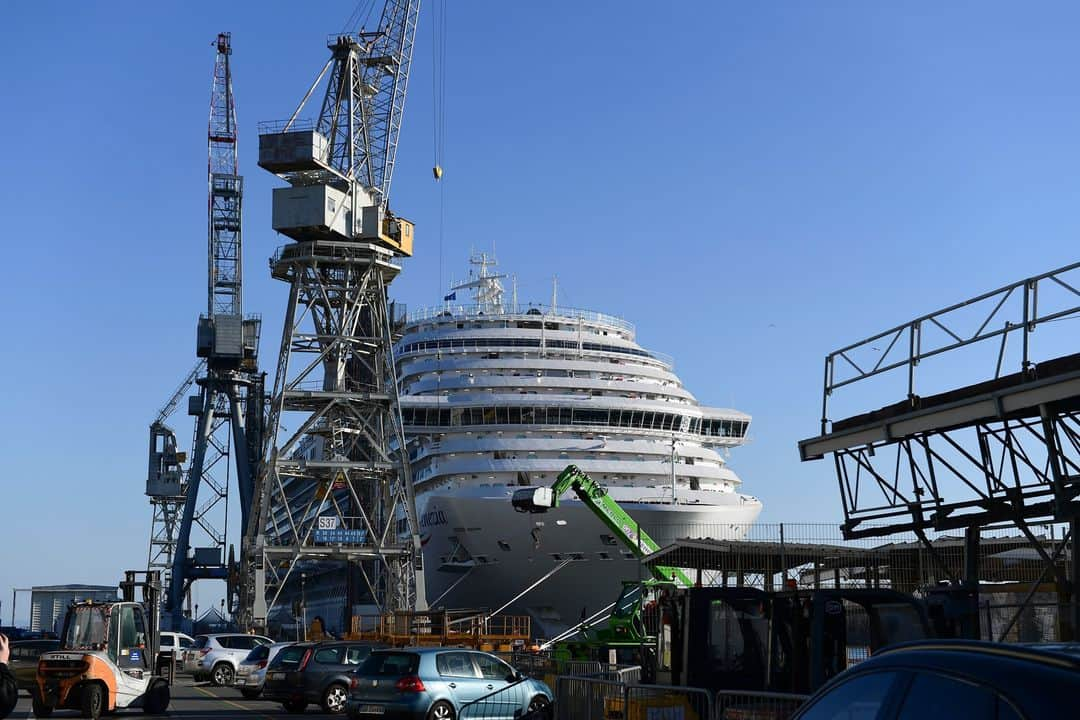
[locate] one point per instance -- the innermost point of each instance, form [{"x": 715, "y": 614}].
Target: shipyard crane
[
  {"x": 165, "y": 480},
  {"x": 339, "y": 488},
  {"x": 229, "y": 404}
]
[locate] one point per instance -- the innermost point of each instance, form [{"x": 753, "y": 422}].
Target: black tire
[
  {"x": 441, "y": 710},
  {"x": 92, "y": 700},
  {"x": 539, "y": 707},
  {"x": 334, "y": 699},
  {"x": 157, "y": 698},
  {"x": 250, "y": 693},
  {"x": 222, "y": 674},
  {"x": 294, "y": 706},
  {"x": 41, "y": 710}
]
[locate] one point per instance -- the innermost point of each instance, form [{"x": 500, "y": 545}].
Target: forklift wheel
[
  {"x": 92, "y": 700},
  {"x": 41, "y": 710},
  {"x": 157, "y": 698}
]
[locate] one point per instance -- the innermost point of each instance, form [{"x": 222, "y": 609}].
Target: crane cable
[
  {"x": 363, "y": 9},
  {"x": 438, "y": 115},
  {"x": 438, "y": 83}
]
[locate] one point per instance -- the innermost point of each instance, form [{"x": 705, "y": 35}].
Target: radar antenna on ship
[{"x": 487, "y": 288}]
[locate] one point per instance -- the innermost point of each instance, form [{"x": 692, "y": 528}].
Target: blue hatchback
[{"x": 443, "y": 684}]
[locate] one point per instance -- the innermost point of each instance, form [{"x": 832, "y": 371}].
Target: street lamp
[{"x": 303, "y": 602}]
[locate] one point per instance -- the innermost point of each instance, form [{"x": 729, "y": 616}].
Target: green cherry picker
[{"x": 631, "y": 628}]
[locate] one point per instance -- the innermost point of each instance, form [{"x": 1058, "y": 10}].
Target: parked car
[
  {"x": 174, "y": 644},
  {"x": 951, "y": 679},
  {"x": 437, "y": 683},
  {"x": 314, "y": 673},
  {"x": 215, "y": 657},
  {"x": 251, "y": 673},
  {"x": 24, "y": 660}
]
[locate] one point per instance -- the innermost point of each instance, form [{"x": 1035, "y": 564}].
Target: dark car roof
[
  {"x": 1032, "y": 677},
  {"x": 948, "y": 651}
]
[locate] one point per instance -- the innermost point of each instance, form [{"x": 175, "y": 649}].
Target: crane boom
[
  {"x": 178, "y": 394},
  {"x": 596, "y": 498}
]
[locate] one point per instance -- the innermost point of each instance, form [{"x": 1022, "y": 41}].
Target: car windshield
[
  {"x": 390, "y": 663},
  {"x": 200, "y": 642},
  {"x": 87, "y": 628}
]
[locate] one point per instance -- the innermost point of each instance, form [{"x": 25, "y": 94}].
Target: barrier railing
[
  {"x": 645, "y": 702},
  {"x": 746, "y": 705},
  {"x": 592, "y": 698},
  {"x": 517, "y": 700},
  {"x": 578, "y": 698}
]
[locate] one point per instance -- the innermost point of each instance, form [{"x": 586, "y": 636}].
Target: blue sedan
[{"x": 443, "y": 684}]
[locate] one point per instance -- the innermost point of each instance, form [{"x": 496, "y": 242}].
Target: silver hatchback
[{"x": 216, "y": 657}]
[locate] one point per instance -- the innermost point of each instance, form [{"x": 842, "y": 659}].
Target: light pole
[{"x": 303, "y": 602}]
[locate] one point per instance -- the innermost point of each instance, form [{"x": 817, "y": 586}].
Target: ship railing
[{"x": 521, "y": 311}]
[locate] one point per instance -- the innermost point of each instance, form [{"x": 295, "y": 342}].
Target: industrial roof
[{"x": 74, "y": 588}]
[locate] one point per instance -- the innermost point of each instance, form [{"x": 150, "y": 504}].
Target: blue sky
[{"x": 752, "y": 184}]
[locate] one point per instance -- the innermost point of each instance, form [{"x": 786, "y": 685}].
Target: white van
[{"x": 175, "y": 643}]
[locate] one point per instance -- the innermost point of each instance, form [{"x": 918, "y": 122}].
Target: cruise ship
[{"x": 496, "y": 396}]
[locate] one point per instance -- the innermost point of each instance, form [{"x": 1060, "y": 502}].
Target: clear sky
[{"x": 752, "y": 184}]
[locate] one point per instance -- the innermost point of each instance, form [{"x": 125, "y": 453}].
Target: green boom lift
[{"x": 626, "y": 628}]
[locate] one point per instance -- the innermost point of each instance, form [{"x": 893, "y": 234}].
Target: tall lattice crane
[
  {"x": 229, "y": 406},
  {"x": 339, "y": 488}
]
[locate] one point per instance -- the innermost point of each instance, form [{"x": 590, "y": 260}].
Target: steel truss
[
  {"x": 1004, "y": 450},
  {"x": 230, "y": 405},
  {"x": 1015, "y": 469},
  {"x": 346, "y": 463},
  {"x": 340, "y": 466}
]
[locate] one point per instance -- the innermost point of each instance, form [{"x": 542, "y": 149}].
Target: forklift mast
[{"x": 149, "y": 582}]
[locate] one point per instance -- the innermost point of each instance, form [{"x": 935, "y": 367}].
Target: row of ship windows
[
  {"x": 450, "y": 343},
  {"x": 641, "y": 419}
]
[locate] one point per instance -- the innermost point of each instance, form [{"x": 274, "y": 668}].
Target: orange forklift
[{"x": 108, "y": 656}]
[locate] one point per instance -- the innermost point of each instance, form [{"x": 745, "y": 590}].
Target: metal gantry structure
[
  {"x": 166, "y": 481},
  {"x": 230, "y": 406},
  {"x": 1002, "y": 451},
  {"x": 338, "y": 487}
]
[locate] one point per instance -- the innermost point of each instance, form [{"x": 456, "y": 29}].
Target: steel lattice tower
[
  {"x": 230, "y": 404},
  {"x": 339, "y": 486}
]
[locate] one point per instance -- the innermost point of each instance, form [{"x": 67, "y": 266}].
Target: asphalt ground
[{"x": 196, "y": 700}]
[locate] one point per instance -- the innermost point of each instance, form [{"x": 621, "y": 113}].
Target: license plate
[
  {"x": 370, "y": 710},
  {"x": 276, "y": 676}
]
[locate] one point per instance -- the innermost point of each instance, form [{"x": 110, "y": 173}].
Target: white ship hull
[{"x": 479, "y": 553}]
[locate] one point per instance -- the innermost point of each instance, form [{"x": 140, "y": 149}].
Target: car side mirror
[{"x": 515, "y": 676}]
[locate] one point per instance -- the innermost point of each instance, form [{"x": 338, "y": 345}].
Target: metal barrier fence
[
  {"x": 667, "y": 702},
  {"x": 518, "y": 701},
  {"x": 544, "y": 666},
  {"x": 597, "y": 699},
  {"x": 745, "y": 705},
  {"x": 578, "y": 698}
]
